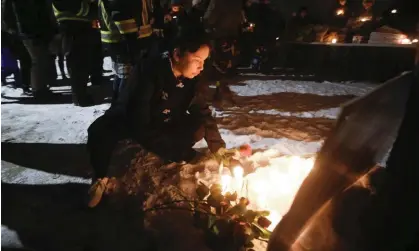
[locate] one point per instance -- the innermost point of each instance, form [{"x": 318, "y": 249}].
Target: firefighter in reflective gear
[
  {"x": 81, "y": 44},
  {"x": 123, "y": 24},
  {"x": 148, "y": 36}
]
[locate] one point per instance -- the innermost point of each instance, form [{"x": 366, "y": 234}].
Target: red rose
[{"x": 245, "y": 150}]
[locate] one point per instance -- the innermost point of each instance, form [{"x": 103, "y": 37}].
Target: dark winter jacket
[
  {"x": 122, "y": 23},
  {"x": 31, "y": 19},
  {"x": 224, "y": 17},
  {"x": 157, "y": 110}
]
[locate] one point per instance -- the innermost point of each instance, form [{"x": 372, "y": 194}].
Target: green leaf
[
  {"x": 211, "y": 221},
  {"x": 263, "y": 213},
  {"x": 238, "y": 210},
  {"x": 260, "y": 231},
  {"x": 250, "y": 216},
  {"x": 224, "y": 156}
]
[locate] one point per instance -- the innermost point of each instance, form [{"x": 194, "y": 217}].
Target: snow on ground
[
  {"x": 265, "y": 125},
  {"x": 67, "y": 124},
  {"x": 47, "y": 123},
  {"x": 331, "y": 113},
  {"x": 264, "y": 87}
]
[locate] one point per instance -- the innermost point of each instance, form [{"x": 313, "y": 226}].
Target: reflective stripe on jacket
[
  {"x": 81, "y": 15},
  {"x": 113, "y": 27}
]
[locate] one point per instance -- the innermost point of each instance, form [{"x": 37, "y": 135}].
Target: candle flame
[
  {"x": 404, "y": 40},
  {"x": 272, "y": 187},
  {"x": 340, "y": 12}
]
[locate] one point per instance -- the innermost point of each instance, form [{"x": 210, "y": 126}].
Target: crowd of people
[
  {"x": 84, "y": 31},
  {"x": 157, "y": 50}
]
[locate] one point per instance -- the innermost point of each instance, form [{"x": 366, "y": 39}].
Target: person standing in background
[
  {"x": 34, "y": 22},
  {"x": 81, "y": 45},
  {"x": 174, "y": 20},
  {"x": 146, "y": 36},
  {"x": 223, "y": 20},
  {"x": 119, "y": 28}
]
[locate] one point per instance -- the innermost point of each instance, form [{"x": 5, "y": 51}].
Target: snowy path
[{"x": 42, "y": 145}]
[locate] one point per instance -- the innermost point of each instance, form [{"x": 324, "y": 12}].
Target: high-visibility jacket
[
  {"x": 146, "y": 16},
  {"x": 123, "y": 20},
  {"x": 72, "y": 10}
]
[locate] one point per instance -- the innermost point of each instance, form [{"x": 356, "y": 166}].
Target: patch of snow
[
  {"x": 282, "y": 145},
  {"x": 331, "y": 113},
  {"x": 274, "y": 75},
  {"x": 47, "y": 124},
  {"x": 265, "y": 87},
  {"x": 10, "y": 238}
]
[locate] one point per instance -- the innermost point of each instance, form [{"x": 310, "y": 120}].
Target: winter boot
[{"x": 83, "y": 100}]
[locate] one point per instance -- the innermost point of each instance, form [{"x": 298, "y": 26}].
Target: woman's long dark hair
[{"x": 190, "y": 39}]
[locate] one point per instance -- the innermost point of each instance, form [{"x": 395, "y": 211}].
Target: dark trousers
[
  {"x": 103, "y": 142},
  {"x": 121, "y": 65},
  {"x": 84, "y": 59},
  {"x": 43, "y": 71}
]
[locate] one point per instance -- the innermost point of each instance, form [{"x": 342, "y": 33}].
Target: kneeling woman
[{"x": 158, "y": 113}]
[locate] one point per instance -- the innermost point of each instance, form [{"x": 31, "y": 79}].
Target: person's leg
[
  {"x": 76, "y": 61},
  {"x": 25, "y": 66},
  {"x": 61, "y": 66},
  {"x": 96, "y": 67},
  {"x": 219, "y": 56},
  {"x": 122, "y": 68},
  {"x": 43, "y": 68},
  {"x": 123, "y": 171},
  {"x": 121, "y": 194},
  {"x": 21, "y": 53}
]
